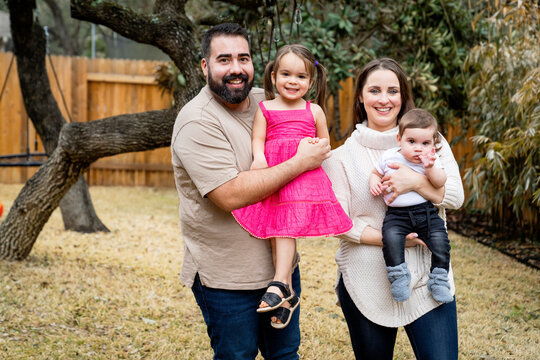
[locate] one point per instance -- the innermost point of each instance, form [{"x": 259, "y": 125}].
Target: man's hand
[{"x": 312, "y": 152}]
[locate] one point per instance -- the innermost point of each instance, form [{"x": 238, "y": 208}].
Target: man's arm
[{"x": 254, "y": 185}]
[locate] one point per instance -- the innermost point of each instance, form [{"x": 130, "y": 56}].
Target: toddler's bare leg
[{"x": 283, "y": 252}]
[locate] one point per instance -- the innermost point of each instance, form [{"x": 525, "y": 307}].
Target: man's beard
[{"x": 232, "y": 97}]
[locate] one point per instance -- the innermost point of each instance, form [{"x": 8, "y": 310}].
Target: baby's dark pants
[{"x": 422, "y": 219}]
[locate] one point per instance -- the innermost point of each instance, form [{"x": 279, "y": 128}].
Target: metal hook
[
  {"x": 276, "y": 35},
  {"x": 298, "y": 16}
]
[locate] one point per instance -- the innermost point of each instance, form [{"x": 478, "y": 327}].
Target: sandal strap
[
  {"x": 272, "y": 299},
  {"x": 284, "y": 288},
  {"x": 283, "y": 313}
]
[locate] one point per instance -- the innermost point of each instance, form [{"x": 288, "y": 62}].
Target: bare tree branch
[
  {"x": 170, "y": 31},
  {"x": 174, "y": 6},
  {"x": 87, "y": 142}
]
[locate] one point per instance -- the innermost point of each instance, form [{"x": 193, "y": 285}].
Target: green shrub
[{"x": 504, "y": 108}]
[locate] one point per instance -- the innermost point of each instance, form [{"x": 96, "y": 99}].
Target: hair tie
[{"x": 316, "y": 63}]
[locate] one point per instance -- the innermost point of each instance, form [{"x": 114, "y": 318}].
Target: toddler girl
[
  {"x": 307, "y": 205},
  {"x": 410, "y": 212}
]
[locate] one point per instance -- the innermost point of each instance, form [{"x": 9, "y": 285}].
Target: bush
[{"x": 504, "y": 88}]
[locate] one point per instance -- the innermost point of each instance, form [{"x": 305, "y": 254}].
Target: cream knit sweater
[{"x": 362, "y": 266}]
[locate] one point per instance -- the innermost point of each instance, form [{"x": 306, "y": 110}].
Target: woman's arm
[{"x": 453, "y": 195}]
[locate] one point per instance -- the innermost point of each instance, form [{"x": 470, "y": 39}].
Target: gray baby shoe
[
  {"x": 439, "y": 286},
  {"x": 399, "y": 277}
]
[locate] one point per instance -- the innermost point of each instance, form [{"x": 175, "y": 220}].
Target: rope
[
  {"x": 59, "y": 88},
  {"x": 46, "y": 30}
]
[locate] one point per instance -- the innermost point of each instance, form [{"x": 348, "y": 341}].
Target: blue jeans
[
  {"x": 433, "y": 336},
  {"x": 422, "y": 219},
  {"x": 237, "y": 331}
]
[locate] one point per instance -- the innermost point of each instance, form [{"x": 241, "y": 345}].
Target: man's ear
[{"x": 204, "y": 67}]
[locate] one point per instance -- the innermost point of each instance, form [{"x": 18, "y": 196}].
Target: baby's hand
[
  {"x": 376, "y": 189},
  {"x": 259, "y": 164},
  {"x": 428, "y": 158},
  {"x": 314, "y": 140}
]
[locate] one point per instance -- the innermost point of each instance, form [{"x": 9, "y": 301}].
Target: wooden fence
[
  {"x": 92, "y": 89},
  {"x": 99, "y": 88}
]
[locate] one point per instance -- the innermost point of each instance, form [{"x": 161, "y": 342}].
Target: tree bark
[
  {"x": 77, "y": 210},
  {"x": 168, "y": 28},
  {"x": 80, "y": 144}
]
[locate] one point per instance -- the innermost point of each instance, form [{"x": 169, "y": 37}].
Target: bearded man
[{"x": 227, "y": 269}]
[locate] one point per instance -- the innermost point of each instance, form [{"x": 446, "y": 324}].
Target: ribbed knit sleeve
[
  {"x": 341, "y": 185},
  {"x": 454, "y": 195}
]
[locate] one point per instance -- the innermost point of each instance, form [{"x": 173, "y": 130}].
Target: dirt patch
[{"x": 508, "y": 241}]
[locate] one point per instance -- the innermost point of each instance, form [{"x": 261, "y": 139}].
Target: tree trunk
[
  {"x": 77, "y": 210},
  {"x": 80, "y": 144},
  {"x": 35, "y": 203}
]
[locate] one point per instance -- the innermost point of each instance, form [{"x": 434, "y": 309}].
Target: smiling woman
[{"x": 382, "y": 98}]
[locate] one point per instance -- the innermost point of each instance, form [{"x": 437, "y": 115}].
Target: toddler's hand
[
  {"x": 314, "y": 140},
  {"x": 259, "y": 164},
  {"x": 376, "y": 189},
  {"x": 428, "y": 158}
]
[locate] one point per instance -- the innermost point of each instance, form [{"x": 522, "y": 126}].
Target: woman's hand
[
  {"x": 412, "y": 240},
  {"x": 401, "y": 181}
]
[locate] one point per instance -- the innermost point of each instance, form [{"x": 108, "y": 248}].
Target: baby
[{"x": 410, "y": 212}]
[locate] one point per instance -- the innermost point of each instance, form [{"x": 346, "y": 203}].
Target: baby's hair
[
  {"x": 311, "y": 65},
  {"x": 420, "y": 118}
]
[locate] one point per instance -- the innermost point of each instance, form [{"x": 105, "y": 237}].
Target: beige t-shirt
[{"x": 210, "y": 146}]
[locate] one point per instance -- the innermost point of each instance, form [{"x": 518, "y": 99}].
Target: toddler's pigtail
[
  {"x": 268, "y": 86},
  {"x": 320, "y": 86}
]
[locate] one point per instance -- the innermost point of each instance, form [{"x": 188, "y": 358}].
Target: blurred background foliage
[
  {"x": 503, "y": 85},
  {"x": 473, "y": 63}
]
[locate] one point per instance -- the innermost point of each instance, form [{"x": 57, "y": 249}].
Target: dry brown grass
[{"x": 117, "y": 295}]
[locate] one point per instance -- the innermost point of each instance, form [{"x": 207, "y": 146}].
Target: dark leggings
[{"x": 432, "y": 336}]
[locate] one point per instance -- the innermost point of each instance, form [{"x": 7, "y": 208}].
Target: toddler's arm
[
  {"x": 436, "y": 175},
  {"x": 321, "y": 127},
  {"x": 258, "y": 140},
  {"x": 375, "y": 183}
]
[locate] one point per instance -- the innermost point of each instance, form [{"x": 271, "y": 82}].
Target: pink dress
[{"x": 306, "y": 206}]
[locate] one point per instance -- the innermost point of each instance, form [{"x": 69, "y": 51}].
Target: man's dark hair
[{"x": 227, "y": 29}]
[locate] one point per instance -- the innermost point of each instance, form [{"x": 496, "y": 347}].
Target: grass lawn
[{"x": 118, "y": 296}]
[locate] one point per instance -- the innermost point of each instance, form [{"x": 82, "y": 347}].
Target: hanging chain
[{"x": 46, "y": 30}]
